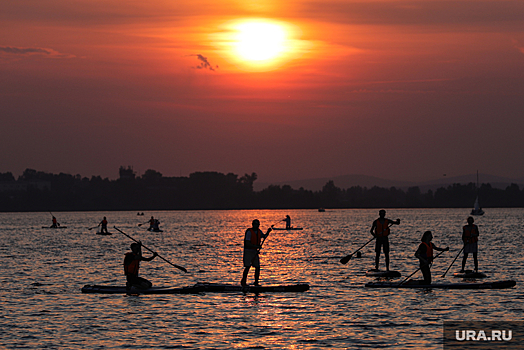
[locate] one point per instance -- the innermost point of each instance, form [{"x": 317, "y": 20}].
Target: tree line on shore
[{"x": 214, "y": 190}]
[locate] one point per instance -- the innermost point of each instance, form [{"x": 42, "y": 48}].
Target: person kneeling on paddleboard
[
  {"x": 132, "y": 265},
  {"x": 425, "y": 255},
  {"x": 252, "y": 244}
]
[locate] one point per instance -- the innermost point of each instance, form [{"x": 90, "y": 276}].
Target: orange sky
[{"x": 395, "y": 89}]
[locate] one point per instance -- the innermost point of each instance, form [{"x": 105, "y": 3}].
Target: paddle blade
[{"x": 345, "y": 259}]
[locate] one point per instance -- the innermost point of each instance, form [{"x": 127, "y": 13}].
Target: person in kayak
[
  {"x": 470, "y": 237},
  {"x": 380, "y": 230},
  {"x": 425, "y": 255},
  {"x": 288, "y": 222},
  {"x": 132, "y": 265},
  {"x": 252, "y": 244},
  {"x": 103, "y": 225}
]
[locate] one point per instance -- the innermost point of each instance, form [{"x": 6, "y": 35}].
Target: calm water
[{"x": 43, "y": 271}]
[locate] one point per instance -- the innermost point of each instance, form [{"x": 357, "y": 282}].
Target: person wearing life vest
[
  {"x": 55, "y": 223},
  {"x": 470, "y": 237},
  {"x": 103, "y": 225},
  {"x": 253, "y": 239},
  {"x": 132, "y": 265},
  {"x": 380, "y": 230},
  {"x": 425, "y": 255}
]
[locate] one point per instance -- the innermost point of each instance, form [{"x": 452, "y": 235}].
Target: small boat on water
[
  {"x": 198, "y": 288},
  {"x": 464, "y": 285},
  {"x": 382, "y": 273},
  {"x": 477, "y": 210}
]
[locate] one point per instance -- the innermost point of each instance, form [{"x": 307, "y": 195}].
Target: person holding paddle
[
  {"x": 380, "y": 230},
  {"x": 55, "y": 223},
  {"x": 253, "y": 239},
  {"x": 288, "y": 222},
  {"x": 425, "y": 255},
  {"x": 103, "y": 224},
  {"x": 132, "y": 265},
  {"x": 470, "y": 237}
]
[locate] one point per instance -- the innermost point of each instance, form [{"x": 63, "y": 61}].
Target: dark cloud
[
  {"x": 25, "y": 51},
  {"x": 204, "y": 63}
]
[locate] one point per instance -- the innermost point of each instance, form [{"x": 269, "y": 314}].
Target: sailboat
[{"x": 477, "y": 210}]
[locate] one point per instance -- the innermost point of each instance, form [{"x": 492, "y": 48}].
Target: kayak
[
  {"x": 381, "y": 273},
  {"x": 54, "y": 227},
  {"x": 465, "y": 285},
  {"x": 287, "y": 229},
  {"x": 469, "y": 274},
  {"x": 197, "y": 288}
]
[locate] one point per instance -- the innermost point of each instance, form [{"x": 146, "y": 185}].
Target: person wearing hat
[
  {"x": 380, "y": 230},
  {"x": 132, "y": 265},
  {"x": 252, "y": 244}
]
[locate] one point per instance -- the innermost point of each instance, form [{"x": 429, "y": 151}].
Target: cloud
[
  {"x": 204, "y": 63},
  {"x": 518, "y": 46},
  {"x": 31, "y": 51}
]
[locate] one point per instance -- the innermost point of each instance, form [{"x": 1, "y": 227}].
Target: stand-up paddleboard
[
  {"x": 198, "y": 288},
  {"x": 382, "y": 273},
  {"x": 54, "y": 227},
  {"x": 469, "y": 274},
  {"x": 420, "y": 284},
  {"x": 104, "y": 233},
  {"x": 287, "y": 229}
]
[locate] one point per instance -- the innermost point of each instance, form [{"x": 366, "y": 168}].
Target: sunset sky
[{"x": 406, "y": 90}]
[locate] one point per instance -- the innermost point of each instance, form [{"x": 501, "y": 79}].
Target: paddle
[
  {"x": 436, "y": 256},
  {"x": 261, "y": 243},
  {"x": 345, "y": 259},
  {"x": 93, "y": 227},
  {"x": 170, "y": 263},
  {"x": 452, "y": 262}
]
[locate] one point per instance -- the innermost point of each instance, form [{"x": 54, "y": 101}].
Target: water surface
[{"x": 43, "y": 271}]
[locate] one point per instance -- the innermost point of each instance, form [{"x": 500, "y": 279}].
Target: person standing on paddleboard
[
  {"x": 470, "y": 237},
  {"x": 425, "y": 255},
  {"x": 132, "y": 265},
  {"x": 380, "y": 230},
  {"x": 288, "y": 222},
  {"x": 55, "y": 223},
  {"x": 252, "y": 244},
  {"x": 103, "y": 225}
]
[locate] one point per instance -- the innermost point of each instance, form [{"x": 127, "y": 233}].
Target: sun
[
  {"x": 258, "y": 44},
  {"x": 260, "y": 41}
]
